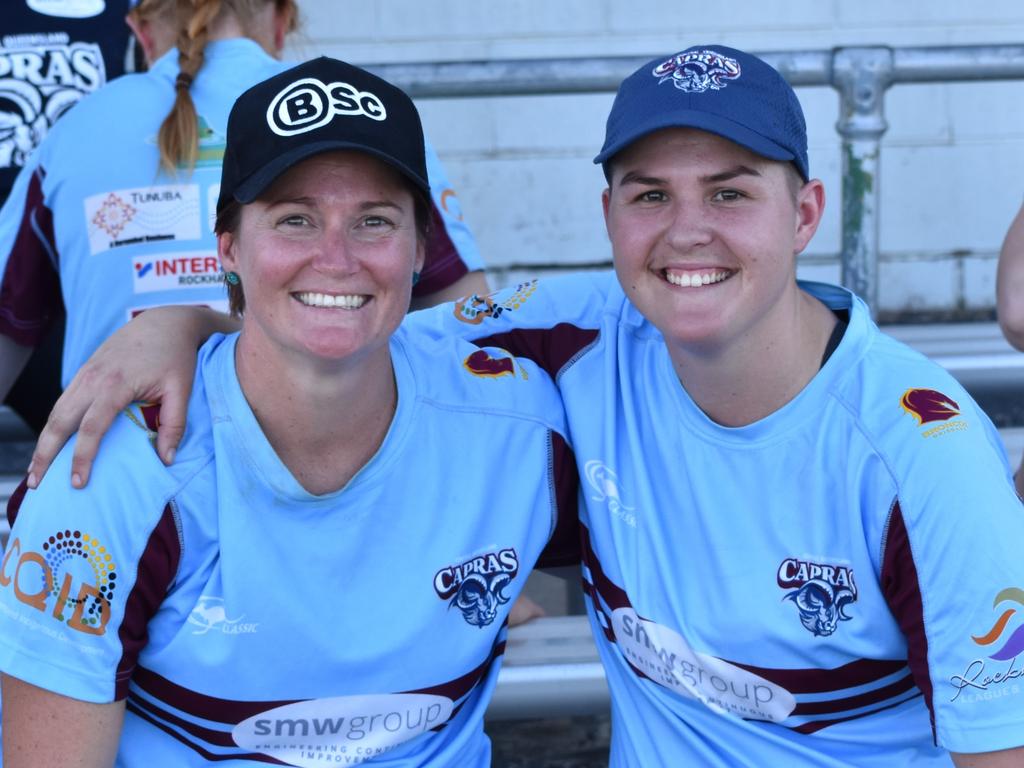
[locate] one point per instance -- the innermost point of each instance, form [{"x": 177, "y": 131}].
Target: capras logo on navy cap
[
  {"x": 698, "y": 71},
  {"x": 307, "y": 104}
]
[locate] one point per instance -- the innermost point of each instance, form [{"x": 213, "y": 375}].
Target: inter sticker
[{"x": 176, "y": 271}]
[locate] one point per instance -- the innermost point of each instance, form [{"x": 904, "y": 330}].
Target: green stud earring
[
  {"x": 233, "y": 278},
  {"x": 415, "y": 277}
]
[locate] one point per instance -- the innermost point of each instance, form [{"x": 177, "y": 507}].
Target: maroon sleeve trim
[
  {"x": 157, "y": 569},
  {"x": 563, "y": 548},
  {"x": 30, "y": 289},
  {"x": 902, "y": 591}
]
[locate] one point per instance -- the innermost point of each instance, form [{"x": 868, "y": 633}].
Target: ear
[
  {"x": 606, "y": 199},
  {"x": 283, "y": 18},
  {"x": 421, "y": 254},
  {"x": 227, "y": 247},
  {"x": 810, "y": 205},
  {"x": 141, "y": 29}
]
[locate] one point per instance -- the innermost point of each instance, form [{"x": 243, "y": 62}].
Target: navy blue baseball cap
[
  {"x": 715, "y": 89},
  {"x": 319, "y": 106}
]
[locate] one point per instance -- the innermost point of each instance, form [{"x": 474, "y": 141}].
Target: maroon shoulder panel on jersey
[
  {"x": 902, "y": 591},
  {"x": 30, "y": 289}
]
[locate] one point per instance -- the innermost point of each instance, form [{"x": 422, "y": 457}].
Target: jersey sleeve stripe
[
  {"x": 30, "y": 292},
  {"x": 902, "y": 590},
  {"x": 157, "y": 569},
  {"x": 563, "y": 548},
  {"x": 550, "y": 348}
]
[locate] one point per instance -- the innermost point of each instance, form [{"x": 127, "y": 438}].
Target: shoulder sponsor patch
[
  {"x": 929, "y": 406},
  {"x": 487, "y": 366},
  {"x": 70, "y": 578},
  {"x": 475, "y": 309},
  {"x": 998, "y": 673},
  {"x": 123, "y": 217}
]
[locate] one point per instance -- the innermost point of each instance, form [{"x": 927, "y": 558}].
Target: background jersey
[
  {"x": 92, "y": 217},
  {"x": 839, "y": 583},
  {"x": 242, "y": 616},
  {"x": 52, "y": 53}
]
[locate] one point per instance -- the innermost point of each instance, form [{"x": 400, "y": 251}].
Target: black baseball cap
[{"x": 319, "y": 106}]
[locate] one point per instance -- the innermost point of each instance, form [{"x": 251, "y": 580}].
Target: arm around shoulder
[{"x": 43, "y": 729}]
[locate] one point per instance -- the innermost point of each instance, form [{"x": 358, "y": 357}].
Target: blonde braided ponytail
[{"x": 179, "y": 134}]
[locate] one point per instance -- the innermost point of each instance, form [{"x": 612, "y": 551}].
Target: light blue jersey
[
  {"x": 838, "y": 584},
  {"x": 244, "y": 619},
  {"x": 93, "y": 222}
]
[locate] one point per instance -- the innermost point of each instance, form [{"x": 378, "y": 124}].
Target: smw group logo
[
  {"x": 999, "y": 673},
  {"x": 928, "y": 406},
  {"x": 70, "y": 578}
]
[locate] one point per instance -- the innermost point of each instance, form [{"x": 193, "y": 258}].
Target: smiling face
[
  {"x": 705, "y": 235},
  {"x": 326, "y": 257}
]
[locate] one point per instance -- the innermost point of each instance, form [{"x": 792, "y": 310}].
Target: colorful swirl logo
[{"x": 1014, "y": 644}]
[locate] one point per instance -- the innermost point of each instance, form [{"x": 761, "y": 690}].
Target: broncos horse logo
[
  {"x": 480, "y": 596},
  {"x": 821, "y": 605},
  {"x": 927, "y": 405}
]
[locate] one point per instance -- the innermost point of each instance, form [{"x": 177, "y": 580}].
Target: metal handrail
[{"x": 861, "y": 75}]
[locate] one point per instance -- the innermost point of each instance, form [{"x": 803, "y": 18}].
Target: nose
[
  {"x": 689, "y": 225},
  {"x": 335, "y": 253}
]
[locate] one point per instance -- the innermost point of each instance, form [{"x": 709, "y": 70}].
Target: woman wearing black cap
[{"x": 309, "y": 581}]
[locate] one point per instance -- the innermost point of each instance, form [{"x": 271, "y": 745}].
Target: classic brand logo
[
  {"x": 477, "y": 586},
  {"x": 698, "y": 71},
  {"x": 820, "y": 592},
  {"x": 209, "y": 614},
  {"x": 308, "y": 104},
  {"x": 605, "y": 484},
  {"x": 984, "y": 680},
  {"x": 927, "y": 406},
  {"x": 72, "y": 578},
  {"x": 345, "y": 730}
]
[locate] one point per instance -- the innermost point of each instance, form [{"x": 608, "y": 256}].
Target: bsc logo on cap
[
  {"x": 307, "y": 104},
  {"x": 698, "y": 71}
]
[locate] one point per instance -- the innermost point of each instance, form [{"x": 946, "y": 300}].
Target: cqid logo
[
  {"x": 308, "y": 104},
  {"x": 667, "y": 659},
  {"x": 345, "y": 730}
]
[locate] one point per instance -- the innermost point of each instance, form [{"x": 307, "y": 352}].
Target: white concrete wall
[{"x": 952, "y": 164}]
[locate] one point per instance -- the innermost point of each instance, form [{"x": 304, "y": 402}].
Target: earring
[
  {"x": 233, "y": 278},
  {"x": 415, "y": 277}
]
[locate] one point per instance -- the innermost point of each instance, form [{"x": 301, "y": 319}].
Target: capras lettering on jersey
[
  {"x": 78, "y": 66},
  {"x": 794, "y": 573},
  {"x": 447, "y": 580}
]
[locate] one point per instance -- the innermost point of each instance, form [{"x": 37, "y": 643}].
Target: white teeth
[
  {"x": 352, "y": 301},
  {"x": 696, "y": 279}
]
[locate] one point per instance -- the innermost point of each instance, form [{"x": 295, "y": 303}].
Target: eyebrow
[
  {"x": 632, "y": 177},
  {"x": 311, "y": 202}
]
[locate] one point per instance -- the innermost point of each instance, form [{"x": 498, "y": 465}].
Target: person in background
[
  {"x": 51, "y": 55},
  {"x": 1010, "y": 297},
  {"x": 800, "y": 538},
  {"x": 327, "y": 569},
  {"x": 113, "y": 213}
]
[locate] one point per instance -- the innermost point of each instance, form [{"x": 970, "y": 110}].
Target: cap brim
[
  {"x": 250, "y": 189},
  {"x": 704, "y": 121}
]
